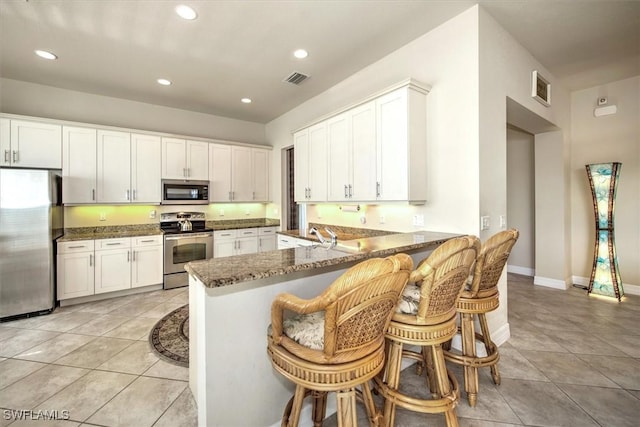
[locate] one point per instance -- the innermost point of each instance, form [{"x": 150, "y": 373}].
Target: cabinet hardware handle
[
  {"x": 128, "y": 194},
  {"x": 226, "y": 234},
  {"x": 93, "y": 194},
  {"x": 378, "y": 189},
  {"x": 134, "y": 195},
  {"x": 113, "y": 244},
  {"x": 146, "y": 241},
  {"x": 134, "y": 255},
  {"x": 128, "y": 256},
  {"x": 90, "y": 260},
  {"x": 350, "y": 191},
  {"x": 6, "y": 156},
  {"x": 76, "y": 247},
  {"x": 253, "y": 195},
  {"x": 15, "y": 156},
  {"x": 184, "y": 171},
  {"x": 188, "y": 171},
  {"x": 346, "y": 194},
  {"x": 233, "y": 195},
  {"x": 247, "y": 232},
  {"x": 259, "y": 243}
]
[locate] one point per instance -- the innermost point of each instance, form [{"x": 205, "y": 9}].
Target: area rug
[{"x": 170, "y": 336}]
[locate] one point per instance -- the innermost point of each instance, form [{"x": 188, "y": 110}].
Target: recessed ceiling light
[
  {"x": 300, "y": 53},
  {"x": 246, "y": 100},
  {"x": 46, "y": 55},
  {"x": 185, "y": 12},
  {"x": 164, "y": 82}
]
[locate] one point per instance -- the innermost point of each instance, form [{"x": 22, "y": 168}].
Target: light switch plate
[
  {"x": 485, "y": 223},
  {"x": 418, "y": 220}
]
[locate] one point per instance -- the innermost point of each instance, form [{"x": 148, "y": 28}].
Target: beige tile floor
[
  {"x": 94, "y": 361},
  {"x": 571, "y": 361}
]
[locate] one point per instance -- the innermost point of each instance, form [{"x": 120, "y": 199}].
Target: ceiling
[{"x": 237, "y": 49}]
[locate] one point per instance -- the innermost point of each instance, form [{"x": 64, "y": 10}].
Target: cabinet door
[
  {"x": 266, "y": 243},
  {"x": 78, "y": 165},
  {"x": 392, "y": 136},
  {"x": 260, "y": 175},
  {"x": 113, "y": 270},
  {"x": 246, "y": 245},
  {"x": 241, "y": 174},
  {"x": 36, "y": 145},
  {"x": 363, "y": 152},
  {"x": 285, "y": 242},
  {"x": 146, "y": 266},
  {"x": 114, "y": 167},
  {"x": 145, "y": 168},
  {"x": 5, "y": 142},
  {"x": 301, "y": 165},
  {"x": 317, "y": 163},
  {"x": 219, "y": 173},
  {"x": 223, "y": 248},
  {"x": 197, "y": 160},
  {"x": 174, "y": 158},
  {"x": 339, "y": 158},
  {"x": 75, "y": 275}
]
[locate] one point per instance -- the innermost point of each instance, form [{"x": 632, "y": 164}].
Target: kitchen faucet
[
  {"x": 334, "y": 236},
  {"x": 315, "y": 231}
]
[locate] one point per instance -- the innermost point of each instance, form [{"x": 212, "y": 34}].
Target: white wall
[
  {"x": 30, "y": 99},
  {"x": 445, "y": 58},
  {"x": 521, "y": 200},
  {"x": 600, "y": 140}
]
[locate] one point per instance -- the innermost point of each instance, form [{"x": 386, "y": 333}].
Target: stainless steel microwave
[{"x": 179, "y": 192}]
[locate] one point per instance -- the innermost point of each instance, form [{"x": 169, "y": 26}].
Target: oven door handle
[{"x": 188, "y": 236}]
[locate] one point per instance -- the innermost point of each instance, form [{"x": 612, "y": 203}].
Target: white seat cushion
[
  {"x": 306, "y": 329},
  {"x": 409, "y": 300}
]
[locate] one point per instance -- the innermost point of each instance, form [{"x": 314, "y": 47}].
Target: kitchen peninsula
[{"x": 230, "y": 375}]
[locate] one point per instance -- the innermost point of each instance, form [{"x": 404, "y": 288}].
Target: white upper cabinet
[
  {"x": 219, "y": 173},
  {"x": 145, "y": 168},
  {"x": 375, "y": 151},
  {"x": 401, "y": 145},
  {"x": 79, "y": 149},
  {"x": 114, "y": 170},
  {"x": 310, "y": 151},
  {"x": 185, "y": 159},
  {"x": 260, "y": 160},
  {"x": 30, "y": 144},
  {"x": 238, "y": 174}
]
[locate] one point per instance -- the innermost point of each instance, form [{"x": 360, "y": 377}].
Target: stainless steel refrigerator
[{"x": 30, "y": 221}]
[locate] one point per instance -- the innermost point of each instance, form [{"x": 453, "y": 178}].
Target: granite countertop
[
  {"x": 109, "y": 232},
  {"x": 343, "y": 233},
  {"x": 217, "y": 272},
  {"x": 118, "y": 231}
]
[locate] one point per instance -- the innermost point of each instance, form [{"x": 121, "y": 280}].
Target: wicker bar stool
[
  {"x": 336, "y": 340},
  {"x": 428, "y": 319},
  {"x": 477, "y": 300}
]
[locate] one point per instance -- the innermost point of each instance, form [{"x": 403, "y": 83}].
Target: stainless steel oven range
[{"x": 186, "y": 239}]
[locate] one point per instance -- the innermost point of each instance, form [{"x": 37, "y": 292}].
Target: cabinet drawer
[
  {"x": 224, "y": 234},
  {"x": 267, "y": 231},
  {"x": 146, "y": 241},
  {"x": 246, "y": 232},
  {"x": 113, "y": 243},
  {"x": 75, "y": 246}
]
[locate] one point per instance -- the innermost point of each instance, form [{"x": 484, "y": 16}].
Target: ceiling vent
[{"x": 295, "y": 78}]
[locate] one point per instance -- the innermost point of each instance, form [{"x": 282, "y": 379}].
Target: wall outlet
[
  {"x": 102, "y": 217},
  {"x": 418, "y": 220},
  {"x": 246, "y": 212},
  {"x": 363, "y": 219},
  {"x": 152, "y": 214},
  {"x": 382, "y": 219},
  {"x": 503, "y": 221},
  {"x": 275, "y": 211},
  {"x": 485, "y": 223},
  {"x": 221, "y": 213}
]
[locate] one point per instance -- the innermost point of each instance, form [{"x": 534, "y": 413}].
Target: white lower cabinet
[
  {"x": 75, "y": 273},
  {"x": 147, "y": 259},
  {"x": 113, "y": 265},
  {"x": 235, "y": 242},
  {"x": 285, "y": 242},
  {"x": 88, "y": 267},
  {"x": 267, "y": 239}
]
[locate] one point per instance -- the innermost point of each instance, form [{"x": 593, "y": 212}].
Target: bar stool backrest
[{"x": 490, "y": 263}]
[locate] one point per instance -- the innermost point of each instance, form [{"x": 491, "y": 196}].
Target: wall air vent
[{"x": 296, "y": 78}]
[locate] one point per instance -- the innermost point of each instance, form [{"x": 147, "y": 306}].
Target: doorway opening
[{"x": 291, "y": 208}]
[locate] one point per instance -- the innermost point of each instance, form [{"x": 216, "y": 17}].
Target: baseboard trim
[
  {"x": 550, "y": 283},
  {"x": 628, "y": 287},
  {"x": 525, "y": 271},
  {"x": 501, "y": 335}
]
